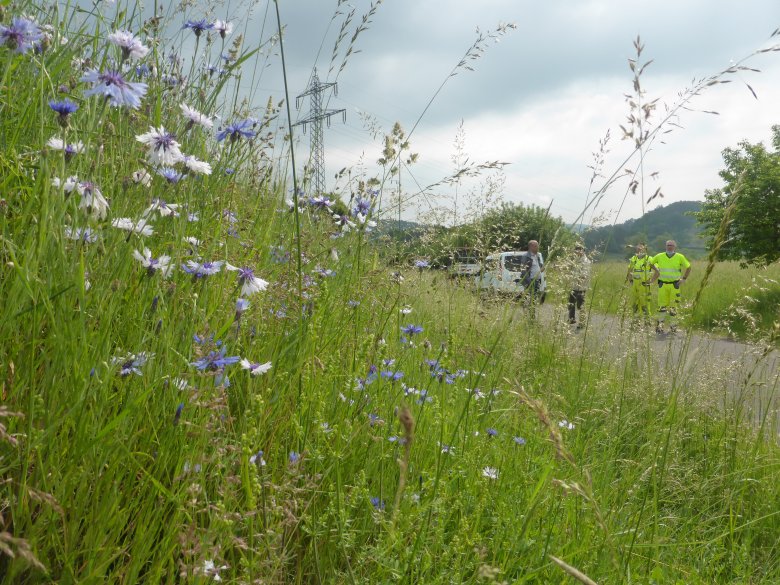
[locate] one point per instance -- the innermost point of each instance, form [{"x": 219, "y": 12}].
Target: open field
[
  {"x": 739, "y": 302},
  {"x": 202, "y": 382}
]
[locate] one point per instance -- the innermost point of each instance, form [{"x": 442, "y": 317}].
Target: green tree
[{"x": 749, "y": 203}]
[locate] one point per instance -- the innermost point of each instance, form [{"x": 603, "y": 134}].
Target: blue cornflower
[
  {"x": 392, "y": 376},
  {"x": 215, "y": 361},
  {"x": 352, "y": 304},
  {"x": 177, "y": 416},
  {"x": 492, "y": 432},
  {"x": 113, "y": 86},
  {"x": 294, "y": 457},
  {"x": 362, "y": 207},
  {"x": 373, "y": 420},
  {"x": 421, "y": 264},
  {"x": 236, "y": 130},
  {"x": 171, "y": 175},
  {"x": 22, "y": 35},
  {"x": 519, "y": 440},
  {"x": 321, "y": 202},
  {"x": 377, "y": 503},
  {"x": 198, "y": 26},
  {"x": 241, "y": 306},
  {"x": 412, "y": 329},
  {"x": 64, "y": 108},
  {"x": 423, "y": 397}
]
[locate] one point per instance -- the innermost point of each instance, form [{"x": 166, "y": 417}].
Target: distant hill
[{"x": 671, "y": 222}]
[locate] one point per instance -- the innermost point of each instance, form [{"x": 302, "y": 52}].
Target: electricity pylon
[{"x": 315, "y": 118}]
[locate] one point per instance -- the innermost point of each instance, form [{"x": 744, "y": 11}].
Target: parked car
[
  {"x": 465, "y": 263},
  {"x": 503, "y": 273}
]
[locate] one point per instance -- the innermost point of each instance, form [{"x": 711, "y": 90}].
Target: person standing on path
[
  {"x": 640, "y": 272},
  {"x": 673, "y": 269},
  {"x": 580, "y": 282},
  {"x": 532, "y": 281}
]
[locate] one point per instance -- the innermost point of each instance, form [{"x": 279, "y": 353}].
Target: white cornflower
[
  {"x": 223, "y": 28},
  {"x": 142, "y": 177},
  {"x": 211, "y": 570},
  {"x": 250, "y": 284},
  {"x": 163, "y": 148},
  {"x": 196, "y": 166},
  {"x": 195, "y": 117},
  {"x": 85, "y": 235},
  {"x": 163, "y": 208},
  {"x": 490, "y": 472},
  {"x": 564, "y": 424},
  {"x": 405, "y": 310},
  {"x": 69, "y": 149},
  {"x": 153, "y": 265},
  {"x": 194, "y": 242},
  {"x": 70, "y": 184},
  {"x": 92, "y": 200},
  {"x": 131, "y": 46},
  {"x": 254, "y": 368},
  {"x": 140, "y": 227}
]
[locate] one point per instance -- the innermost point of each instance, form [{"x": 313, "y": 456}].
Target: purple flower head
[
  {"x": 236, "y": 130},
  {"x": 131, "y": 364},
  {"x": 392, "y": 376},
  {"x": 519, "y": 440},
  {"x": 171, "y": 175},
  {"x": 412, "y": 329},
  {"x": 199, "y": 270},
  {"x": 113, "y": 86},
  {"x": 321, "y": 202},
  {"x": 241, "y": 306},
  {"x": 421, "y": 264},
  {"x": 492, "y": 432},
  {"x": 198, "y": 26},
  {"x": 85, "y": 235},
  {"x": 257, "y": 459},
  {"x": 64, "y": 108},
  {"x": 22, "y": 35},
  {"x": 294, "y": 457},
  {"x": 177, "y": 416},
  {"x": 249, "y": 283},
  {"x": 362, "y": 207},
  {"x": 162, "y": 145},
  {"x": 215, "y": 361},
  {"x": 373, "y": 420},
  {"x": 377, "y": 503}
]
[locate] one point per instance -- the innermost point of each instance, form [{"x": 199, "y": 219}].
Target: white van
[{"x": 502, "y": 273}]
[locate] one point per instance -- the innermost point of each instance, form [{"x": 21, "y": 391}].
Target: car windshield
[{"x": 513, "y": 263}]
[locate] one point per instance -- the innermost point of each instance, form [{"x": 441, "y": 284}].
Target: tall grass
[
  {"x": 739, "y": 302},
  {"x": 405, "y": 432}
]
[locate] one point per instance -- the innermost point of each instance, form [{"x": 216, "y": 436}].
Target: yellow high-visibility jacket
[
  {"x": 671, "y": 269},
  {"x": 641, "y": 268}
]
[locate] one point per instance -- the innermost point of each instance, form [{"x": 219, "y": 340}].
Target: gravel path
[{"x": 735, "y": 374}]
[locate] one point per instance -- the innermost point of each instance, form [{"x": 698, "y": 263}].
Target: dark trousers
[{"x": 576, "y": 300}]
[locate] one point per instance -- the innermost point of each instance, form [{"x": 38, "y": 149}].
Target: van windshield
[{"x": 514, "y": 263}]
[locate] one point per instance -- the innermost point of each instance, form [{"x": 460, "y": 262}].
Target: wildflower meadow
[{"x": 208, "y": 373}]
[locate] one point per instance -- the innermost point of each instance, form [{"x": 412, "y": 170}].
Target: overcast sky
[{"x": 541, "y": 98}]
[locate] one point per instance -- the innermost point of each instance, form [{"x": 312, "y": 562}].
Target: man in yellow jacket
[
  {"x": 673, "y": 269},
  {"x": 640, "y": 271}
]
